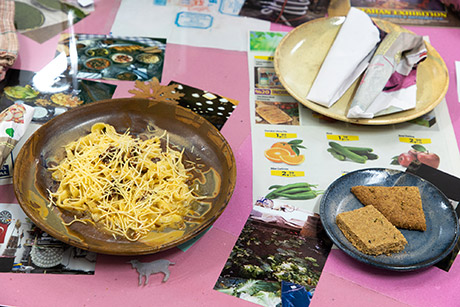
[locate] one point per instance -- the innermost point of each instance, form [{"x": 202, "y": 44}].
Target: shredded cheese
[{"x": 127, "y": 185}]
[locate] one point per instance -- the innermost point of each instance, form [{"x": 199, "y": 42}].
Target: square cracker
[
  {"x": 370, "y": 232},
  {"x": 401, "y": 205}
]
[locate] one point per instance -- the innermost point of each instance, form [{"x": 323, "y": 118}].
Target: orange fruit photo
[
  {"x": 292, "y": 160},
  {"x": 274, "y": 154},
  {"x": 284, "y": 145},
  {"x": 286, "y": 152}
]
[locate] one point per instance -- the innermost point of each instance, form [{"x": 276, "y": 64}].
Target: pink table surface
[{"x": 344, "y": 281}]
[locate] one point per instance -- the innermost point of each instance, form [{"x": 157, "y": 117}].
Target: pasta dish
[{"x": 127, "y": 185}]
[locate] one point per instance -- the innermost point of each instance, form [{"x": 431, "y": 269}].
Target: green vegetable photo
[
  {"x": 294, "y": 191},
  {"x": 351, "y": 153}
]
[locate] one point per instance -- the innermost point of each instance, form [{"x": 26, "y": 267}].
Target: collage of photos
[
  {"x": 24, "y": 248},
  {"x": 70, "y": 80}
]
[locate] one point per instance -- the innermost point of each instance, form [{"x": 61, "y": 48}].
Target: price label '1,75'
[
  {"x": 284, "y": 173},
  {"x": 337, "y": 137},
  {"x": 280, "y": 135}
]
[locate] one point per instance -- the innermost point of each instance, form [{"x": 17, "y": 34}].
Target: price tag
[
  {"x": 260, "y": 91},
  {"x": 412, "y": 140},
  {"x": 336, "y": 137},
  {"x": 283, "y": 173},
  {"x": 280, "y": 135},
  {"x": 266, "y": 58}
]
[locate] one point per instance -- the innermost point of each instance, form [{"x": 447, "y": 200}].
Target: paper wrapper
[
  {"x": 14, "y": 121},
  {"x": 389, "y": 83},
  {"x": 8, "y": 38},
  {"x": 347, "y": 58}
]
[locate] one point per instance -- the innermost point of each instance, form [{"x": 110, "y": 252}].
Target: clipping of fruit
[
  {"x": 405, "y": 159},
  {"x": 292, "y": 160},
  {"x": 284, "y": 145},
  {"x": 286, "y": 152},
  {"x": 274, "y": 154},
  {"x": 417, "y": 153},
  {"x": 430, "y": 159},
  {"x": 292, "y": 146}
]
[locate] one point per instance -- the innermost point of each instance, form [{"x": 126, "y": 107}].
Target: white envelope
[{"x": 347, "y": 59}]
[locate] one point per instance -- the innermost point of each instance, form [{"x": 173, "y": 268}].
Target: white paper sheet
[
  {"x": 211, "y": 24},
  {"x": 347, "y": 59}
]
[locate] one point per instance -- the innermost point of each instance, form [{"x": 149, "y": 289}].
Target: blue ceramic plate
[{"x": 423, "y": 248}]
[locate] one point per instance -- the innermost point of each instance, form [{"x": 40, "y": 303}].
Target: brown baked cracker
[
  {"x": 401, "y": 205},
  {"x": 370, "y": 232}
]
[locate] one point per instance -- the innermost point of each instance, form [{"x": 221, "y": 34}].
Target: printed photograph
[
  {"x": 24, "y": 248},
  {"x": 279, "y": 247},
  {"x": 112, "y": 57},
  {"x": 50, "y": 91},
  {"x": 265, "y": 77},
  {"x": 412, "y": 12},
  {"x": 41, "y": 20},
  {"x": 215, "y": 108},
  {"x": 277, "y": 113},
  {"x": 287, "y": 12}
]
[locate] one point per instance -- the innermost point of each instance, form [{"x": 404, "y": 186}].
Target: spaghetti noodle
[{"x": 128, "y": 185}]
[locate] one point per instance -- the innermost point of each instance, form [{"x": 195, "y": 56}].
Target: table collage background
[{"x": 223, "y": 69}]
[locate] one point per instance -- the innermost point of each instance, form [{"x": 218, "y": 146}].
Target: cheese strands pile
[{"x": 127, "y": 185}]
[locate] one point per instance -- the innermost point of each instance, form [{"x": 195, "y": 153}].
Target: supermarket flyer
[
  {"x": 282, "y": 125},
  {"x": 296, "y": 156}
]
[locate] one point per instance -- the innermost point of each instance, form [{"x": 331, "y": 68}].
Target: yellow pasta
[{"x": 127, "y": 185}]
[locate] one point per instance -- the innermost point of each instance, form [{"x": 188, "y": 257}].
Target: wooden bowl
[{"x": 201, "y": 141}]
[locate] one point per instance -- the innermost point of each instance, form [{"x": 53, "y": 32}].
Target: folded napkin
[
  {"x": 389, "y": 83},
  {"x": 347, "y": 59},
  {"x": 8, "y": 38}
]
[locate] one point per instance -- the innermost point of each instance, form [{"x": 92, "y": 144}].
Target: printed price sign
[
  {"x": 336, "y": 137},
  {"x": 283, "y": 173},
  {"x": 260, "y": 91},
  {"x": 412, "y": 140},
  {"x": 266, "y": 58},
  {"x": 280, "y": 135}
]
